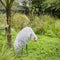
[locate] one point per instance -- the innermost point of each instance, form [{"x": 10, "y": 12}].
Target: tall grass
[
  {"x": 46, "y": 24},
  {"x": 2, "y": 20}
]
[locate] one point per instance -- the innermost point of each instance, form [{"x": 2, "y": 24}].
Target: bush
[
  {"x": 2, "y": 20},
  {"x": 46, "y": 24},
  {"x": 57, "y": 28},
  {"x": 19, "y": 21}
]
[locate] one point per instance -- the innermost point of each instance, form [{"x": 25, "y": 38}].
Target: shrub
[
  {"x": 19, "y": 21},
  {"x": 46, "y": 24},
  {"x": 2, "y": 20},
  {"x": 57, "y": 28}
]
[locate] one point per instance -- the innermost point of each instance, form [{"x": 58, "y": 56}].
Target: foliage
[
  {"x": 36, "y": 6},
  {"x": 39, "y": 7},
  {"x": 57, "y": 28},
  {"x": 53, "y": 6},
  {"x": 45, "y": 24},
  {"x": 46, "y": 6},
  {"x": 2, "y": 20},
  {"x": 19, "y": 21}
]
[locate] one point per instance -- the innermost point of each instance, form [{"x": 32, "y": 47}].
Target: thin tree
[{"x": 8, "y": 5}]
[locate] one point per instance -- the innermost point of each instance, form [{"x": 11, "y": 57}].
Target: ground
[{"x": 46, "y": 48}]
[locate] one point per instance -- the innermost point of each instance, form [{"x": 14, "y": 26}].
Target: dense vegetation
[
  {"x": 46, "y": 6},
  {"x": 37, "y": 7},
  {"x": 43, "y": 24}
]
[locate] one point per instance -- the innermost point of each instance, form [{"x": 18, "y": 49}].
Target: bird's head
[{"x": 35, "y": 38}]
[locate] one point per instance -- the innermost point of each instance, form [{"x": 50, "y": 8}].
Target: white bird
[{"x": 23, "y": 37}]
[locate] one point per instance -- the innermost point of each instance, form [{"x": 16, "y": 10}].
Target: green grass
[{"x": 46, "y": 48}]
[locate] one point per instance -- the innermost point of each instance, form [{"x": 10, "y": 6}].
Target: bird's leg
[
  {"x": 22, "y": 51},
  {"x": 27, "y": 49}
]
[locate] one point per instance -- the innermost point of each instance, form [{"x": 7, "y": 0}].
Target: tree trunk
[
  {"x": 8, "y": 29},
  {"x": 8, "y": 4}
]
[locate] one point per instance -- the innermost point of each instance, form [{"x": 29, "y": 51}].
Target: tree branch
[
  {"x": 11, "y": 2},
  {"x": 2, "y": 3},
  {"x": 7, "y": 4}
]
